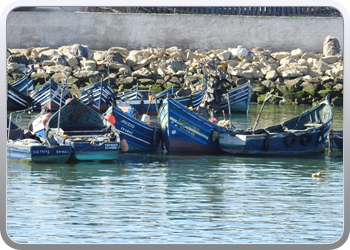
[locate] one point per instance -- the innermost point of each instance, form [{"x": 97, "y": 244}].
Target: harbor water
[{"x": 162, "y": 198}]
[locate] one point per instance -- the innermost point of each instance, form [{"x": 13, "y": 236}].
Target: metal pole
[
  {"x": 268, "y": 96},
  {"x": 59, "y": 111},
  {"x": 100, "y": 94},
  {"x": 257, "y": 119},
  {"x": 229, "y": 109}
]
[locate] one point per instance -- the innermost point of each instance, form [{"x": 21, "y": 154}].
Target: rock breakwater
[{"x": 301, "y": 77}]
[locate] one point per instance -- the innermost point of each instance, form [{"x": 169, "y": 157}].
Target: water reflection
[{"x": 160, "y": 198}]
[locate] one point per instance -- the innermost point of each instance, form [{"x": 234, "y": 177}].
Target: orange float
[
  {"x": 45, "y": 118},
  {"x": 110, "y": 118}
]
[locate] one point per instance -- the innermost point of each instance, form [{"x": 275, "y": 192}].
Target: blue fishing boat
[
  {"x": 25, "y": 85},
  {"x": 25, "y": 145},
  {"x": 144, "y": 101},
  {"x": 91, "y": 136},
  {"x": 124, "y": 94},
  {"x": 192, "y": 100},
  {"x": 17, "y": 100},
  {"x": 239, "y": 99},
  {"x": 148, "y": 102},
  {"x": 32, "y": 150},
  {"x": 50, "y": 95},
  {"x": 186, "y": 132},
  {"x": 98, "y": 96},
  {"x": 163, "y": 94},
  {"x": 304, "y": 134},
  {"x": 141, "y": 135}
]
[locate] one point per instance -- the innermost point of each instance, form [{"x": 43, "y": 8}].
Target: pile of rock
[{"x": 298, "y": 76}]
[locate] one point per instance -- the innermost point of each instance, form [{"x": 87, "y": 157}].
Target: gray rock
[
  {"x": 20, "y": 59},
  {"x": 293, "y": 84},
  {"x": 113, "y": 56},
  {"x": 84, "y": 75},
  {"x": 123, "y": 51},
  {"x": 81, "y": 51},
  {"x": 59, "y": 60},
  {"x": 175, "y": 64}
]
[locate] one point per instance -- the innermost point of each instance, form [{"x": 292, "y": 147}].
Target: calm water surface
[{"x": 160, "y": 198}]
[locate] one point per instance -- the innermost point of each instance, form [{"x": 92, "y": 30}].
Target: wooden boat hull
[
  {"x": 36, "y": 126},
  {"x": 239, "y": 99},
  {"x": 17, "y": 100},
  {"x": 25, "y": 85},
  {"x": 186, "y": 132},
  {"x": 99, "y": 96},
  {"x": 140, "y": 136},
  {"x": 86, "y": 152},
  {"x": 275, "y": 144},
  {"x": 163, "y": 94},
  {"x": 39, "y": 154},
  {"x": 88, "y": 133},
  {"x": 301, "y": 135},
  {"x": 49, "y": 96},
  {"x": 144, "y": 106}
]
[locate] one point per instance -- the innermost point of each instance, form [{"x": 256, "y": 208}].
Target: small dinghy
[
  {"x": 25, "y": 145},
  {"x": 91, "y": 136}
]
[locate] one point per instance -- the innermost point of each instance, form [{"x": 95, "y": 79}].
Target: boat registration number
[{"x": 112, "y": 146}]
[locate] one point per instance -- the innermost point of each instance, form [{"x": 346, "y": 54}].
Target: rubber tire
[
  {"x": 287, "y": 141},
  {"x": 306, "y": 139}
]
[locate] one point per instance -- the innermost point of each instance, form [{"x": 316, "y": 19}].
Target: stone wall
[{"x": 101, "y": 31}]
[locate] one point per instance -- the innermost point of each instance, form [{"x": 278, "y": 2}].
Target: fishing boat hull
[
  {"x": 301, "y": 135},
  {"x": 185, "y": 132},
  {"x": 17, "y": 100},
  {"x": 88, "y": 133},
  {"x": 288, "y": 143},
  {"x": 99, "y": 96},
  {"x": 84, "y": 151},
  {"x": 193, "y": 100},
  {"x": 239, "y": 99},
  {"x": 37, "y": 126},
  {"x": 25, "y": 85},
  {"x": 38, "y": 154},
  {"x": 140, "y": 101},
  {"x": 144, "y": 106},
  {"x": 140, "y": 136},
  {"x": 49, "y": 96}
]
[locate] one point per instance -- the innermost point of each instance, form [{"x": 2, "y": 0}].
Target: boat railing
[{"x": 18, "y": 112}]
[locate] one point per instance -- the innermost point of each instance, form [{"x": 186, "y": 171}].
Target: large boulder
[
  {"x": 279, "y": 55},
  {"x": 175, "y": 52},
  {"x": 20, "y": 59},
  {"x": 142, "y": 73},
  {"x": 59, "y": 60},
  {"x": 176, "y": 64},
  {"x": 114, "y": 56},
  {"x": 57, "y": 69},
  {"x": 85, "y": 75},
  {"x": 81, "y": 51},
  {"x": 123, "y": 51}
]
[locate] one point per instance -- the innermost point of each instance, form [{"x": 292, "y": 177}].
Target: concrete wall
[{"x": 101, "y": 31}]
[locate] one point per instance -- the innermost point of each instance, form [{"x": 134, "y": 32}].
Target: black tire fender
[
  {"x": 290, "y": 140},
  {"x": 306, "y": 139}
]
